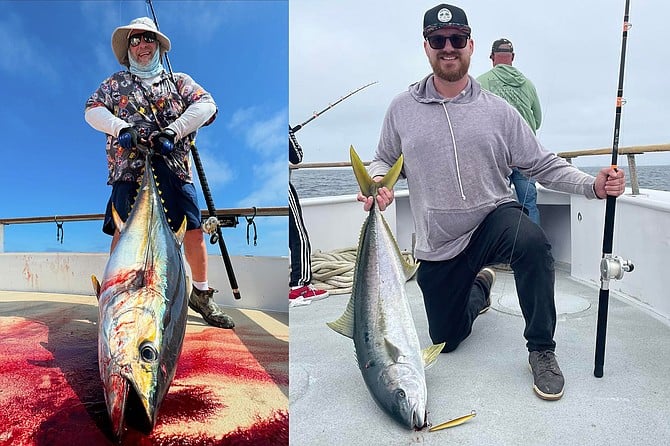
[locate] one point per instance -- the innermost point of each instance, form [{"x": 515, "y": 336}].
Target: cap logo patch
[{"x": 444, "y": 15}]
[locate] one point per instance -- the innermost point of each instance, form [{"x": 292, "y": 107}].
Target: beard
[{"x": 453, "y": 74}]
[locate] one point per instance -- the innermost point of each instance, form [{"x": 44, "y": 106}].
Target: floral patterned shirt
[{"x": 150, "y": 110}]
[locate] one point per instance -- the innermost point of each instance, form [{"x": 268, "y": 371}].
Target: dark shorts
[{"x": 180, "y": 199}]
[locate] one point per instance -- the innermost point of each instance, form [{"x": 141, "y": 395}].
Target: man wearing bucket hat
[
  {"x": 147, "y": 106},
  {"x": 459, "y": 144},
  {"x": 510, "y": 84}
]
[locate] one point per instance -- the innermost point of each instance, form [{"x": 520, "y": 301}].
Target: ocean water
[{"x": 341, "y": 181}]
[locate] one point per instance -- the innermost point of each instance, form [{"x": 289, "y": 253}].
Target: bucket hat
[{"x": 121, "y": 35}]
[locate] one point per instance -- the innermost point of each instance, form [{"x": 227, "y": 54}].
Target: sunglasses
[
  {"x": 148, "y": 36},
  {"x": 458, "y": 41}
]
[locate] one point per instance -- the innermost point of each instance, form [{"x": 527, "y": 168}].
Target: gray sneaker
[
  {"x": 203, "y": 303},
  {"x": 489, "y": 277},
  {"x": 548, "y": 380}
]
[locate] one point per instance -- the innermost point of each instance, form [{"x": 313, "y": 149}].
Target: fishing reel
[
  {"x": 212, "y": 224},
  {"x": 613, "y": 267}
]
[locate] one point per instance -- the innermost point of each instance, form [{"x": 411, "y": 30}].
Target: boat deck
[
  {"x": 489, "y": 374},
  {"x": 231, "y": 386}
]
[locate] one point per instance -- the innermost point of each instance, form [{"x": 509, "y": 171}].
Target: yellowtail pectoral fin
[
  {"x": 430, "y": 354},
  {"x": 345, "y": 324},
  {"x": 393, "y": 350},
  {"x": 117, "y": 220},
  {"x": 96, "y": 286}
]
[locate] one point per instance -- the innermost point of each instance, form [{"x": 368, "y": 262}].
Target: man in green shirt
[{"x": 510, "y": 84}]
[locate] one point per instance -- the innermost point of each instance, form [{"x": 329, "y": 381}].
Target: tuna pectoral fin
[
  {"x": 367, "y": 184},
  {"x": 96, "y": 286},
  {"x": 345, "y": 324},
  {"x": 430, "y": 354}
]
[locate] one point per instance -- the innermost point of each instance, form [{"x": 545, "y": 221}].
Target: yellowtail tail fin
[{"x": 367, "y": 185}]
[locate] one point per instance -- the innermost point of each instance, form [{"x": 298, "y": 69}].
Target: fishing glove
[
  {"x": 128, "y": 138},
  {"x": 164, "y": 141}
]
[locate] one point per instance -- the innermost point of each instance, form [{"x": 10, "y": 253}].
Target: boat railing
[
  {"x": 630, "y": 153},
  {"x": 227, "y": 217}
]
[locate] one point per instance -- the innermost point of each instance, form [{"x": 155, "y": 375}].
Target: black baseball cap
[
  {"x": 502, "y": 46},
  {"x": 445, "y": 16}
]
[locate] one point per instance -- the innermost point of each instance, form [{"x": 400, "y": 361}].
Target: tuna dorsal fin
[
  {"x": 430, "y": 354},
  {"x": 181, "y": 232},
  {"x": 117, "y": 220},
  {"x": 96, "y": 286},
  {"x": 345, "y": 324}
]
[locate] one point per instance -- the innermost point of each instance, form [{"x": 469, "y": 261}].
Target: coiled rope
[{"x": 334, "y": 270}]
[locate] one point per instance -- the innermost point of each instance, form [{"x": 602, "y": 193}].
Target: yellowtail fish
[{"x": 378, "y": 317}]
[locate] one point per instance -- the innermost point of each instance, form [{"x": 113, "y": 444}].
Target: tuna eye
[{"x": 148, "y": 352}]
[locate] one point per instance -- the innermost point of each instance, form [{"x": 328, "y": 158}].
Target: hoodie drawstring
[{"x": 453, "y": 141}]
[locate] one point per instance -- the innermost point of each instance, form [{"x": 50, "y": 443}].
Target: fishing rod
[
  {"x": 611, "y": 267},
  {"x": 211, "y": 208},
  {"x": 317, "y": 114}
]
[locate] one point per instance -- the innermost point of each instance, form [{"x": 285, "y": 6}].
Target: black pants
[
  {"x": 298, "y": 242},
  {"x": 453, "y": 297}
]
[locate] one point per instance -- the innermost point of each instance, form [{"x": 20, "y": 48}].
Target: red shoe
[{"x": 307, "y": 292}]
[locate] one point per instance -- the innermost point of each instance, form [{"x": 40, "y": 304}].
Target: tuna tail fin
[
  {"x": 430, "y": 354},
  {"x": 367, "y": 185},
  {"x": 96, "y": 286},
  {"x": 117, "y": 219},
  {"x": 345, "y": 324}
]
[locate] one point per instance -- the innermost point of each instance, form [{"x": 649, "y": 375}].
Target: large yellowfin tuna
[
  {"x": 378, "y": 317},
  {"x": 143, "y": 309}
]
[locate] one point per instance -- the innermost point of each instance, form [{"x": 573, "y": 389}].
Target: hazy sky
[
  {"x": 569, "y": 49},
  {"x": 55, "y": 54}
]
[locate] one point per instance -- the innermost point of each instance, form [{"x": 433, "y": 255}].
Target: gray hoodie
[{"x": 458, "y": 154}]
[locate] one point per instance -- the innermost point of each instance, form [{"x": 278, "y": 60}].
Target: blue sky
[{"x": 55, "y": 54}]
